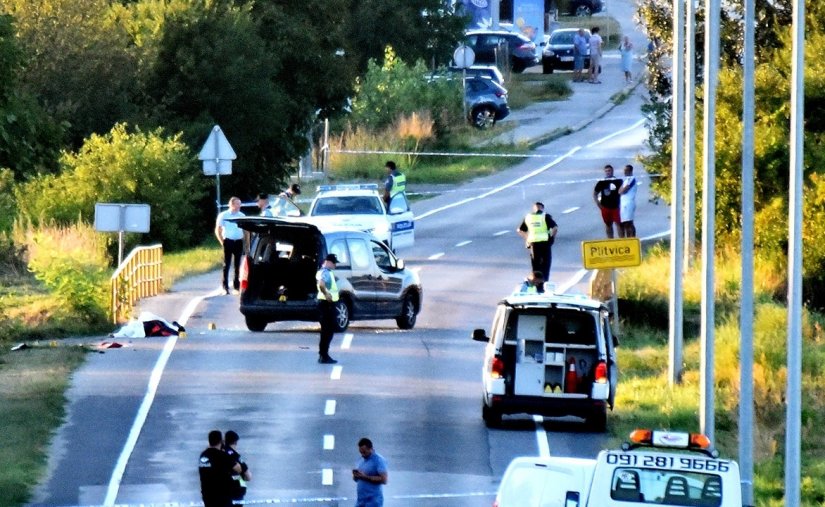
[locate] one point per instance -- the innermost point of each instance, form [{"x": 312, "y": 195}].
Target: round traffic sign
[{"x": 464, "y": 56}]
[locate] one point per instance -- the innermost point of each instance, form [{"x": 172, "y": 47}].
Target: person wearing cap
[
  {"x": 263, "y": 203},
  {"x": 239, "y": 479},
  {"x": 291, "y": 192},
  {"x": 327, "y": 299},
  {"x": 395, "y": 182},
  {"x": 539, "y": 232}
]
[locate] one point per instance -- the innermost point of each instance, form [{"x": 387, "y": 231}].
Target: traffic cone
[{"x": 571, "y": 378}]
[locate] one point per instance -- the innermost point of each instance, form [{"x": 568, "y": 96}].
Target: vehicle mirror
[
  {"x": 479, "y": 335},
  {"x": 400, "y": 264}
]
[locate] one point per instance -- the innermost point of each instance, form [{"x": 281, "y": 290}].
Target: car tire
[
  {"x": 546, "y": 67},
  {"x": 256, "y": 324},
  {"x": 597, "y": 420},
  {"x": 483, "y": 117},
  {"x": 342, "y": 315},
  {"x": 583, "y": 11},
  {"x": 409, "y": 312},
  {"x": 492, "y": 417}
]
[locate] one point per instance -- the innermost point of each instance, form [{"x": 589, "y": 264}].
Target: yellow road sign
[{"x": 611, "y": 253}]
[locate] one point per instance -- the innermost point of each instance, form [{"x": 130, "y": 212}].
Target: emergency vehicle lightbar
[
  {"x": 350, "y": 186},
  {"x": 671, "y": 439}
]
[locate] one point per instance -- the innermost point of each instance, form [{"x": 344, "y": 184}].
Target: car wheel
[
  {"x": 256, "y": 324},
  {"x": 484, "y": 117},
  {"x": 492, "y": 417},
  {"x": 546, "y": 67},
  {"x": 583, "y": 10},
  {"x": 342, "y": 315},
  {"x": 597, "y": 421},
  {"x": 409, "y": 311}
]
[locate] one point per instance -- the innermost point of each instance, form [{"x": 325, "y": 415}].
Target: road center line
[
  {"x": 541, "y": 437},
  {"x": 329, "y": 442},
  {"x": 347, "y": 341},
  {"x": 500, "y": 233},
  {"x": 617, "y": 133},
  {"x": 570, "y": 210},
  {"x": 435, "y": 256},
  {"x": 463, "y": 243},
  {"x": 329, "y": 407},
  {"x": 326, "y": 477},
  {"x": 336, "y": 372}
]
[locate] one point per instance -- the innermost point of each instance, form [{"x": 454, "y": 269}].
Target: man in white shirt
[
  {"x": 230, "y": 237},
  {"x": 595, "y": 54},
  {"x": 627, "y": 203}
]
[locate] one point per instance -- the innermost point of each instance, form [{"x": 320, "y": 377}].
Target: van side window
[
  {"x": 339, "y": 248},
  {"x": 360, "y": 254}
]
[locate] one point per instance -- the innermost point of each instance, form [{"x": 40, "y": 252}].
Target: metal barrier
[{"x": 138, "y": 276}]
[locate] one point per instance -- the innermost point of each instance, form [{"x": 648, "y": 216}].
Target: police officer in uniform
[
  {"x": 239, "y": 479},
  {"x": 394, "y": 184},
  {"x": 539, "y": 231},
  {"x": 215, "y": 468},
  {"x": 327, "y": 300}
]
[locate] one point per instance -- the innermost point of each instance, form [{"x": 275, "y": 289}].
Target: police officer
[
  {"x": 263, "y": 204},
  {"x": 215, "y": 468},
  {"x": 394, "y": 184},
  {"x": 239, "y": 479},
  {"x": 327, "y": 299},
  {"x": 539, "y": 231}
]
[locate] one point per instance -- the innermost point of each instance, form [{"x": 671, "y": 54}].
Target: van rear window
[
  {"x": 561, "y": 325},
  {"x": 666, "y": 487}
]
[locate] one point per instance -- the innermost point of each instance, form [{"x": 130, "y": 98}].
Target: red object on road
[{"x": 571, "y": 378}]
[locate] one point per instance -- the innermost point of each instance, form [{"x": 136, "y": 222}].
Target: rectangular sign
[
  {"x": 113, "y": 217},
  {"x": 611, "y": 253}
]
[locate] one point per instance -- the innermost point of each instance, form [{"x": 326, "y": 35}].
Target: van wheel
[
  {"x": 408, "y": 313},
  {"x": 492, "y": 417},
  {"x": 597, "y": 421},
  {"x": 342, "y": 316},
  {"x": 256, "y": 324}
]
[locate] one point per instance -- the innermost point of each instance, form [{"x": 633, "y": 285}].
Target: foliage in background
[{"x": 123, "y": 167}]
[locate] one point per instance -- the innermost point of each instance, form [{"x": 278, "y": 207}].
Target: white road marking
[
  {"x": 326, "y": 477},
  {"x": 463, "y": 243},
  {"x": 500, "y": 233},
  {"x": 336, "y": 372},
  {"x": 541, "y": 437},
  {"x": 566, "y": 286},
  {"x": 570, "y": 210},
  {"x": 329, "y": 442},
  {"x": 617, "y": 133},
  {"x": 435, "y": 256},
  {"x": 329, "y": 407},
  {"x": 143, "y": 411},
  {"x": 347, "y": 341}
]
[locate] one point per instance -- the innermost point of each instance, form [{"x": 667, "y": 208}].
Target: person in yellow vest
[
  {"x": 327, "y": 299},
  {"x": 394, "y": 184},
  {"x": 539, "y": 232}
]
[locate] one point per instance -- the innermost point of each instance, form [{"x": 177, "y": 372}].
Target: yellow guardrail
[{"x": 138, "y": 276}]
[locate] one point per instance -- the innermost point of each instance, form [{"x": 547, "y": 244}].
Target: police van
[
  {"x": 651, "y": 468},
  {"x": 360, "y": 207}
]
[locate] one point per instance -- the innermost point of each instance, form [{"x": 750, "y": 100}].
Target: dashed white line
[
  {"x": 464, "y": 243},
  {"x": 570, "y": 210},
  {"x": 326, "y": 477},
  {"x": 336, "y": 372},
  {"x": 500, "y": 233},
  {"x": 347, "y": 341},
  {"x": 329, "y": 442},
  {"x": 329, "y": 407},
  {"x": 435, "y": 256},
  {"x": 541, "y": 437}
]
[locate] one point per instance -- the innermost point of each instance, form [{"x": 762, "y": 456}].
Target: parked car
[
  {"x": 490, "y": 46},
  {"x": 581, "y": 7},
  {"x": 549, "y": 354},
  {"x": 486, "y": 102},
  {"x": 557, "y": 50},
  {"x": 282, "y": 256},
  {"x": 488, "y": 71}
]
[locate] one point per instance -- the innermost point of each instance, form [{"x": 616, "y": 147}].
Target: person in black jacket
[
  {"x": 215, "y": 469},
  {"x": 239, "y": 479}
]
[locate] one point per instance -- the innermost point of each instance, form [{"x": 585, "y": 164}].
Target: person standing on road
[
  {"x": 539, "y": 232},
  {"x": 239, "y": 479},
  {"x": 230, "y": 236},
  {"x": 626, "y": 49},
  {"x": 263, "y": 204},
  {"x": 580, "y": 45},
  {"x": 327, "y": 302},
  {"x": 606, "y": 197},
  {"x": 370, "y": 474},
  {"x": 596, "y": 44},
  {"x": 215, "y": 468},
  {"x": 627, "y": 202},
  {"x": 395, "y": 182}
]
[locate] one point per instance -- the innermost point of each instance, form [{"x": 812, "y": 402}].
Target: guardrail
[{"x": 138, "y": 276}]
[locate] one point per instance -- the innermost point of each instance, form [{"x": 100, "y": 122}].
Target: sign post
[
  {"x": 121, "y": 218},
  {"x": 464, "y": 56},
  {"x": 217, "y": 156},
  {"x": 611, "y": 254}
]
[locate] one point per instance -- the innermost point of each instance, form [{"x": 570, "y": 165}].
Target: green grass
[
  {"x": 196, "y": 261},
  {"x": 529, "y": 87}
]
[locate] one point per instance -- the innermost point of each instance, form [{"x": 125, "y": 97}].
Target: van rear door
[{"x": 546, "y": 482}]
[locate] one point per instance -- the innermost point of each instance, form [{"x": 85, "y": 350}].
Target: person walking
[
  {"x": 395, "y": 182},
  {"x": 327, "y": 302},
  {"x": 263, "y": 204},
  {"x": 539, "y": 232},
  {"x": 239, "y": 479},
  {"x": 626, "y": 50},
  {"x": 606, "y": 197},
  {"x": 580, "y": 45},
  {"x": 215, "y": 469},
  {"x": 370, "y": 474},
  {"x": 596, "y": 44},
  {"x": 230, "y": 236},
  {"x": 627, "y": 202}
]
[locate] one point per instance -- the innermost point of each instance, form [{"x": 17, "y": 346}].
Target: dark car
[
  {"x": 490, "y": 46},
  {"x": 282, "y": 256},
  {"x": 557, "y": 50},
  {"x": 581, "y": 7},
  {"x": 486, "y": 102}
]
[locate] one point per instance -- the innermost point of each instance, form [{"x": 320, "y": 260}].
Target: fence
[{"x": 138, "y": 276}]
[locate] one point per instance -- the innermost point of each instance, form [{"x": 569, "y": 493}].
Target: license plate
[{"x": 566, "y": 58}]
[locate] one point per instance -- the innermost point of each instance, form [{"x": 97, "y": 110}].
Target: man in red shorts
[{"x": 606, "y": 197}]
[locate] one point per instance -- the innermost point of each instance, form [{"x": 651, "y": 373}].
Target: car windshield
[
  {"x": 562, "y": 38},
  {"x": 348, "y": 205}
]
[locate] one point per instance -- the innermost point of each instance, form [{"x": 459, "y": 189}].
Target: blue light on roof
[{"x": 352, "y": 186}]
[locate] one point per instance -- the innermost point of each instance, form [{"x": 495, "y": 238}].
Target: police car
[
  {"x": 652, "y": 468},
  {"x": 360, "y": 207}
]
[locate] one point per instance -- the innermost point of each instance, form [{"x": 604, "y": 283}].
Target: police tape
[{"x": 442, "y": 153}]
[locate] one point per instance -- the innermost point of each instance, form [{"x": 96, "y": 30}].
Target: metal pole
[
  {"x": 615, "y": 287},
  {"x": 464, "y": 90},
  {"x": 218, "y": 184},
  {"x": 690, "y": 134},
  {"x": 746, "y": 312},
  {"x": 676, "y": 329},
  {"x": 794, "y": 396},
  {"x": 706, "y": 381}
]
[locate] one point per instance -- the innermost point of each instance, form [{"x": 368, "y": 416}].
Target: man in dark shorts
[{"x": 606, "y": 197}]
